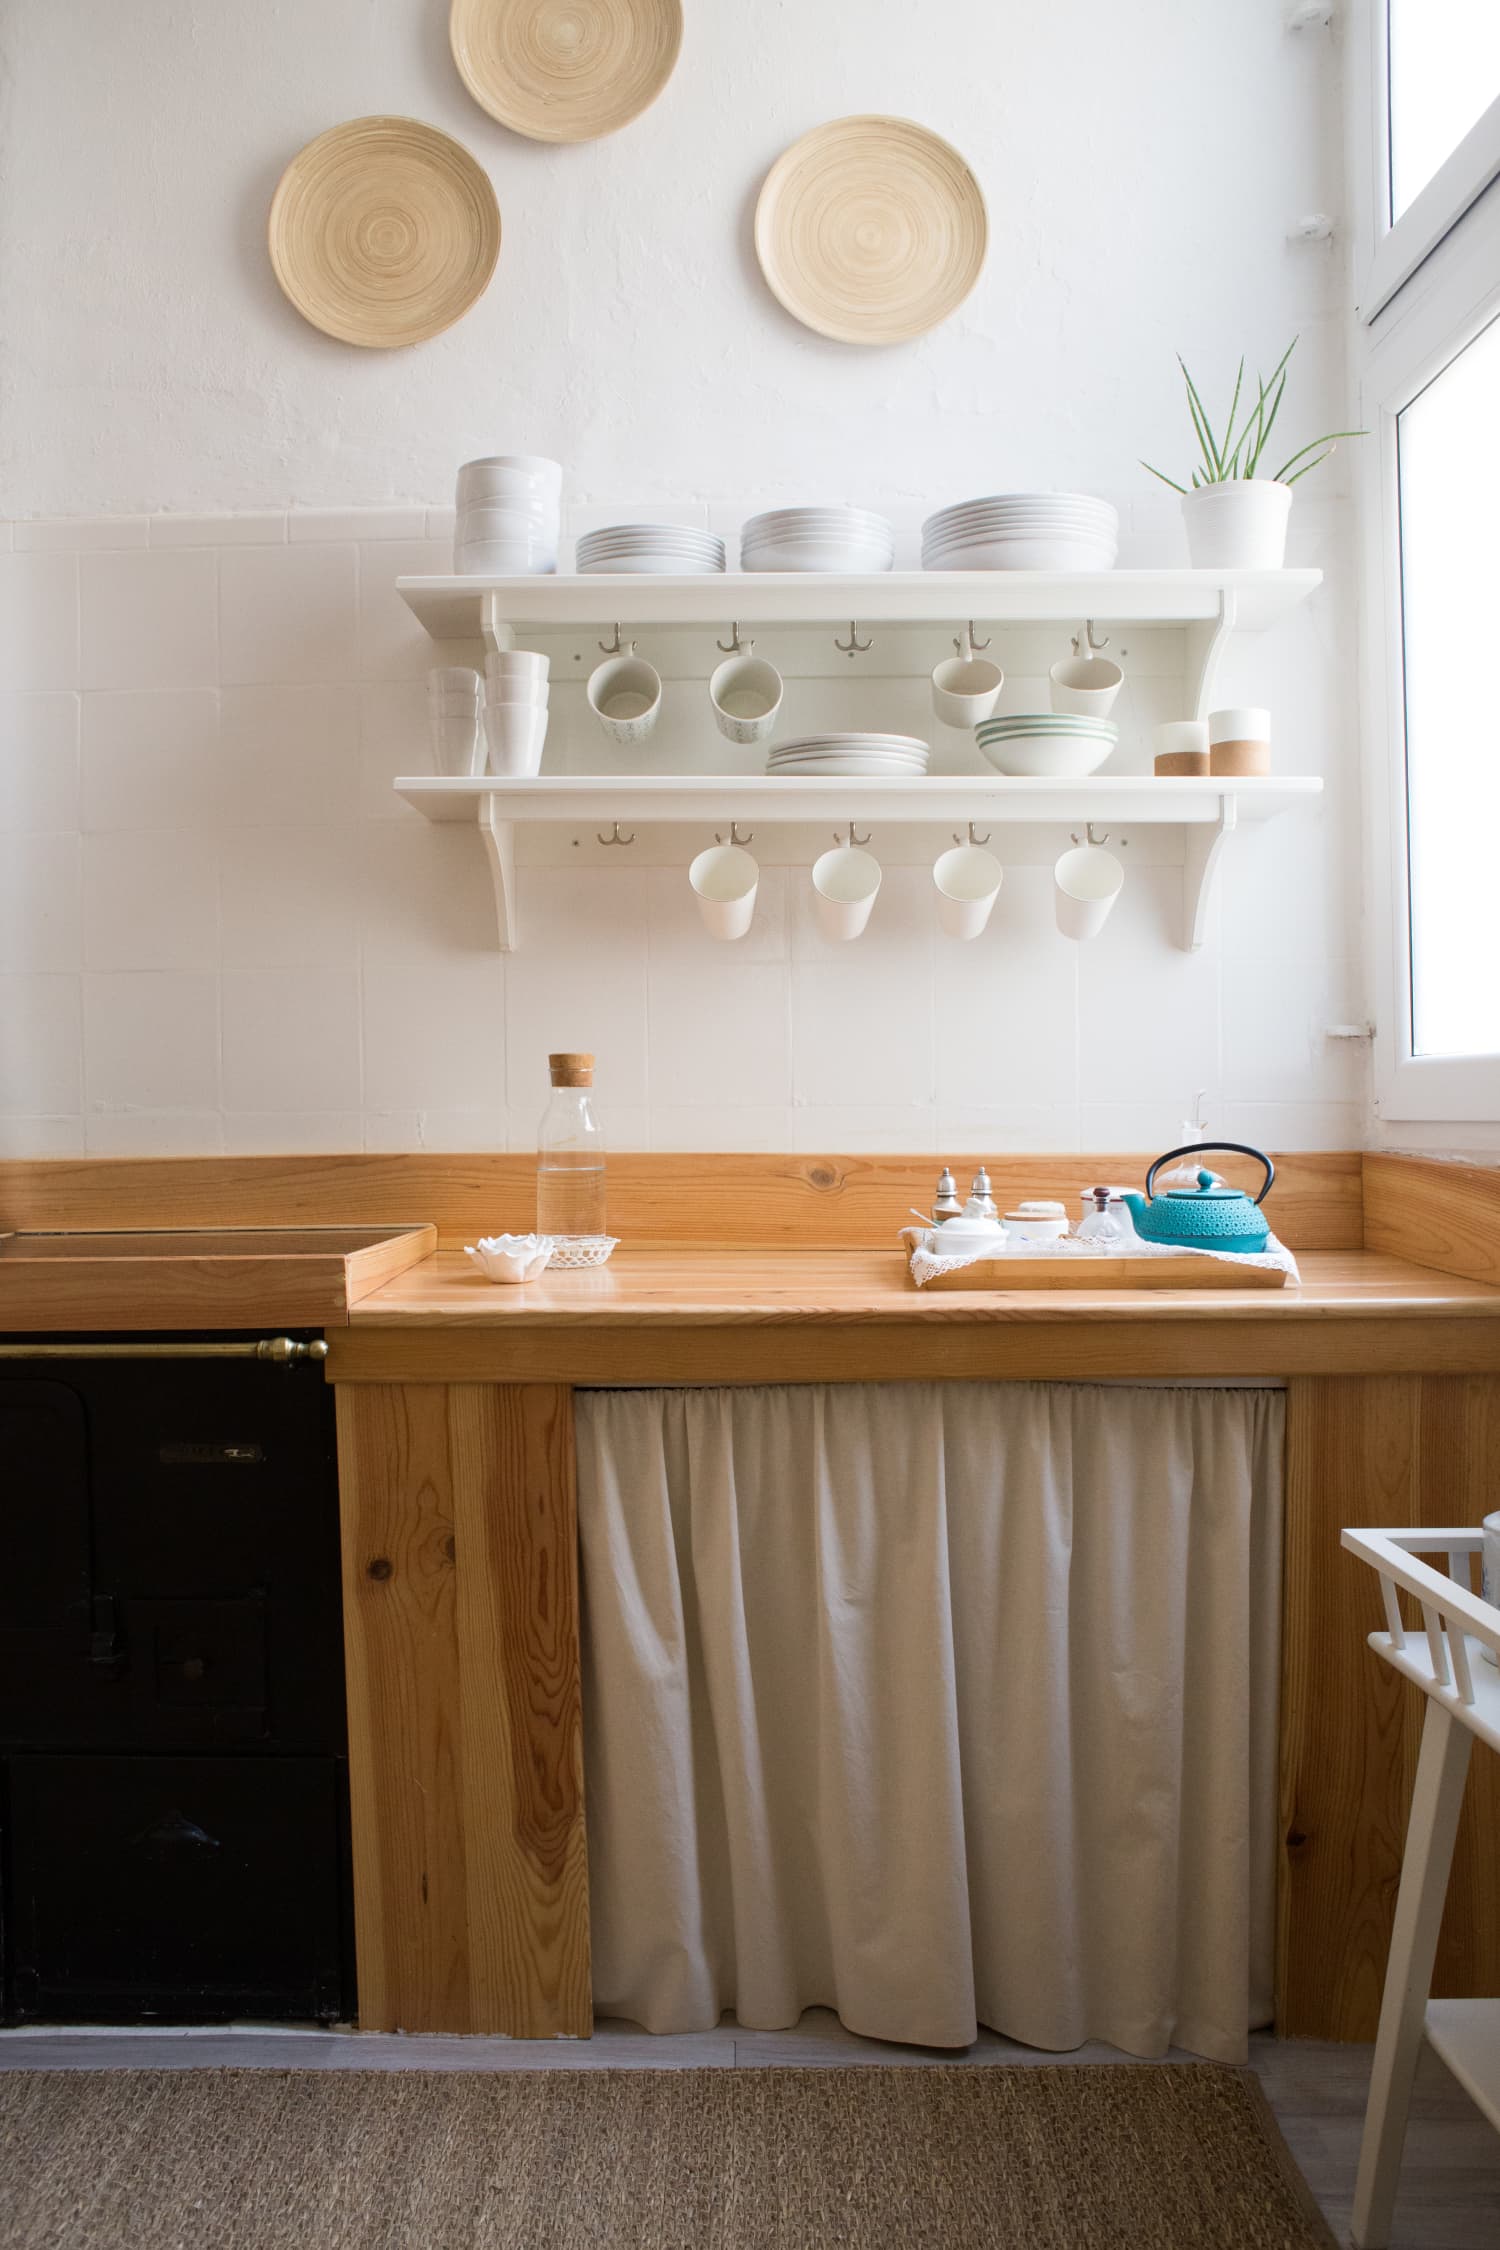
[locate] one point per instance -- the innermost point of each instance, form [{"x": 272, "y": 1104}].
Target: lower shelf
[
  {"x": 1466, "y": 2034},
  {"x": 1208, "y": 810}
]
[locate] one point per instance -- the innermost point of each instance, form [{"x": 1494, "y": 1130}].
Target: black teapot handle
[{"x": 1209, "y": 1148}]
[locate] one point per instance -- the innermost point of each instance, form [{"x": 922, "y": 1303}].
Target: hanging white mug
[
  {"x": 745, "y": 692},
  {"x": 966, "y": 687},
  {"x": 625, "y": 696},
  {"x": 845, "y": 882},
  {"x": 1085, "y": 683},
  {"x": 1087, "y": 882},
  {"x": 724, "y": 880},
  {"x": 967, "y": 880}
]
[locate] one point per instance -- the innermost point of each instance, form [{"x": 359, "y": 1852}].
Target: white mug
[
  {"x": 1087, "y": 882},
  {"x": 625, "y": 696},
  {"x": 745, "y": 692},
  {"x": 966, "y": 687},
  {"x": 515, "y": 733},
  {"x": 968, "y": 880},
  {"x": 1489, "y": 1579},
  {"x": 724, "y": 880},
  {"x": 461, "y": 680},
  {"x": 845, "y": 882},
  {"x": 1085, "y": 683}
]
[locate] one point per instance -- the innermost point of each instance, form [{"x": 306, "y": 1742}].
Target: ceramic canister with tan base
[{"x": 1239, "y": 742}]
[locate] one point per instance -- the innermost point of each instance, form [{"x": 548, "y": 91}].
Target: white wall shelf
[
  {"x": 474, "y": 608},
  {"x": 1207, "y": 810}
]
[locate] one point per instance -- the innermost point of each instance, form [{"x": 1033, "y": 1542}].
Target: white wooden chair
[{"x": 1463, "y": 1701}]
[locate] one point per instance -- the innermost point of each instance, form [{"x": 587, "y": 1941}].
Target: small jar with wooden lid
[{"x": 1182, "y": 749}]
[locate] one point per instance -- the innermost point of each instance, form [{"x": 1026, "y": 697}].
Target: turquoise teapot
[{"x": 1208, "y": 1216}]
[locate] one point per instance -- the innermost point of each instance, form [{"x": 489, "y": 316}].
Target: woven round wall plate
[
  {"x": 871, "y": 229},
  {"x": 565, "y": 70},
  {"x": 383, "y": 231}
]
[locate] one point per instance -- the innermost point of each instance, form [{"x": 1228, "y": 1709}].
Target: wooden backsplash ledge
[
  {"x": 803, "y": 1202},
  {"x": 1434, "y": 1213}
]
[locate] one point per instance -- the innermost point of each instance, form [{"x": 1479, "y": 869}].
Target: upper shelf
[{"x": 461, "y": 608}]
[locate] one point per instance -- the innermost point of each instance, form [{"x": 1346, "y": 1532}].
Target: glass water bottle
[{"x": 570, "y": 1152}]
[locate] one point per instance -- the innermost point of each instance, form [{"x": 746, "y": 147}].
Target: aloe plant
[{"x": 1240, "y": 451}]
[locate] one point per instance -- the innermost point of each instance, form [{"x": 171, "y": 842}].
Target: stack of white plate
[
  {"x": 873, "y": 755},
  {"x": 817, "y": 539},
  {"x": 661, "y": 550},
  {"x": 1023, "y": 531},
  {"x": 509, "y": 516},
  {"x": 1047, "y": 744}
]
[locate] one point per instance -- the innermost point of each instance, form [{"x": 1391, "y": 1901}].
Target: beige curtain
[{"x": 937, "y": 1704}]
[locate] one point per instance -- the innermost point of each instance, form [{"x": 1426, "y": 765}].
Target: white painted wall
[{"x": 217, "y": 926}]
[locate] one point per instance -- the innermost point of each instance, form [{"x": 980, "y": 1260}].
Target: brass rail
[{"x": 281, "y": 1351}]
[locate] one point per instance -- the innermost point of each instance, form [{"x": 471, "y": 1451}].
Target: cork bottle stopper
[{"x": 571, "y": 1070}]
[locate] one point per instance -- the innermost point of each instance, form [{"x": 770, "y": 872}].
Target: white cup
[
  {"x": 519, "y": 691},
  {"x": 517, "y": 664},
  {"x": 457, "y": 739},
  {"x": 508, "y": 475},
  {"x": 966, "y": 687},
  {"x": 968, "y": 880},
  {"x": 1087, "y": 882},
  {"x": 514, "y": 734},
  {"x": 454, "y": 679},
  {"x": 1085, "y": 684},
  {"x": 845, "y": 882},
  {"x": 625, "y": 696},
  {"x": 724, "y": 880},
  {"x": 745, "y": 692},
  {"x": 1489, "y": 1560}
]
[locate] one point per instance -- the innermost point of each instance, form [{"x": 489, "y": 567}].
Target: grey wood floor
[{"x": 1450, "y": 2197}]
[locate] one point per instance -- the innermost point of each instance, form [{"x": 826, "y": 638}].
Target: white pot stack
[
  {"x": 509, "y": 517},
  {"x": 842, "y": 539},
  {"x": 1023, "y": 531}
]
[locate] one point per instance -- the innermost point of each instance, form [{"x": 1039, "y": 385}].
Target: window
[
  {"x": 1429, "y": 383},
  {"x": 1443, "y": 72}
]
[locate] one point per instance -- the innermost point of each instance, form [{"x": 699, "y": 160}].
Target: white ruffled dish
[{"x": 511, "y": 1257}]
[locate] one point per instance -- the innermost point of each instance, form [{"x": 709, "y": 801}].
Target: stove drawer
[{"x": 177, "y": 1889}]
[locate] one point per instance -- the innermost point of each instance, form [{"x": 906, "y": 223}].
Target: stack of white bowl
[
  {"x": 1023, "y": 531},
  {"x": 516, "y": 694},
  {"x": 509, "y": 517},
  {"x": 455, "y": 719},
  {"x": 817, "y": 539},
  {"x": 661, "y": 550},
  {"x": 896, "y": 756},
  {"x": 1055, "y": 745}
]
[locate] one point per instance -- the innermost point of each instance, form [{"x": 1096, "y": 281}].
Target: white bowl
[
  {"x": 1046, "y": 756},
  {"x": 511, "y": 1257}
]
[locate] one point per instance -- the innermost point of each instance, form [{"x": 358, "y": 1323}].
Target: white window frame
[{"x": 1440, "y": 271}]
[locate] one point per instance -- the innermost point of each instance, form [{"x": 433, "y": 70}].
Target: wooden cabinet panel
[
  {"x": 1402, "y": 1450},
  {"x": 465, "y": 1746}
]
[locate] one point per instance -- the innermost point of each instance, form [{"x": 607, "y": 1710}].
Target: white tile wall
[{"x": 219, "y": 929}]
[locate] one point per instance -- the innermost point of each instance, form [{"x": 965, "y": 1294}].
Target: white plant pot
[{"x": 1239, "y": 525}]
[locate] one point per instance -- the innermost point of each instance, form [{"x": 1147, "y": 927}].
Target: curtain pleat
[{"x": 939, "y": 1705}]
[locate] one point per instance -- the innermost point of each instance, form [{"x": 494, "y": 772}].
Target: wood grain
[
  {"x": 1126, "y": 1273},
  {"x": 1408, "y": 1450},
  {"x": 465, "y": 1744},
  {"x": 1444, "y": 1215},
  {"x": 222, "y": 1281},
  {"x": 806, "y": 1202}
]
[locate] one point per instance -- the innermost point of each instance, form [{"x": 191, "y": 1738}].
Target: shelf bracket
[
  {"x": 1206, "y": 642},
  {"x": 1200, "y": 866},
  {"x": 498, "y": 635},
  {"x": 500, "y": 850}
]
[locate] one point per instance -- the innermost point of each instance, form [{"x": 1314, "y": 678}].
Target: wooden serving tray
[{"x": 1108, "y": 1273}]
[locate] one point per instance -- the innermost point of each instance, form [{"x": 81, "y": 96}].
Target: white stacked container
[{"x": 509, "y": 516}]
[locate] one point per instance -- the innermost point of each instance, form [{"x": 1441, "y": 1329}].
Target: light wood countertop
[
  {"x": 735, "y": 1288},
  {"x": 726, "y": 1316}
]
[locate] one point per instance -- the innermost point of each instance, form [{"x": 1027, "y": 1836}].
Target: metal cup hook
[
  {"x": 736, "y": 647},
  {"x": 854, "y": 646},
  {"x": 734, "y": 836},
  {"x": 1098, "y": 841},
  {"x": 1084, "y": 643},
  {"x": 972, "y": 838},
  {"x": 617, "y": 647},
  {"x": 614, "y": 836},
  {"x": 854, "y": 839}
]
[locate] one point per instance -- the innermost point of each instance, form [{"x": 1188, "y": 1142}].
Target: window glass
[
  {"x": 1450, "y": 598},
  {"x": 1445, "y": 72}
]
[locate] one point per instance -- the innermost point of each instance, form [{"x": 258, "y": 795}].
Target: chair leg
[{"x": 1436, "y": 1804}]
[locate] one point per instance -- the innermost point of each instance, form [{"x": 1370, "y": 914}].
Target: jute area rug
[{"x": 1094, "y": 2157}]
